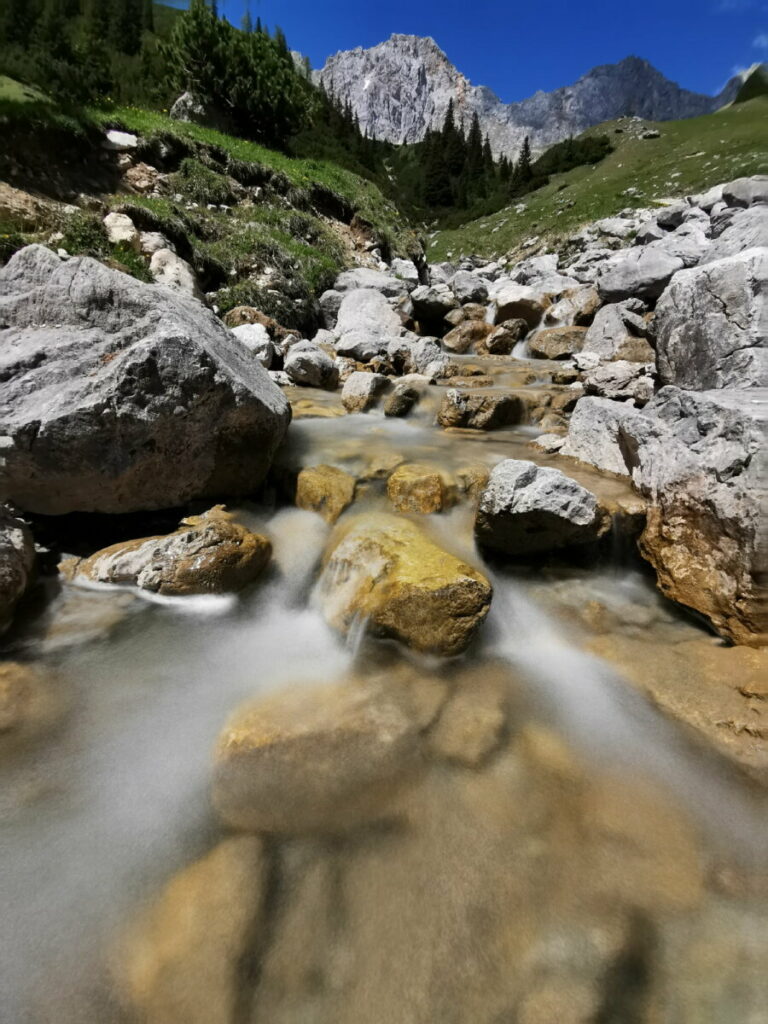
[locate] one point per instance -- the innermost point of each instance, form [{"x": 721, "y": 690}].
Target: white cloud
[{"x": 760, "y": 41}]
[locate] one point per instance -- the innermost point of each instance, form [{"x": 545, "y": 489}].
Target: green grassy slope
[{"x": 688, "y": 156}]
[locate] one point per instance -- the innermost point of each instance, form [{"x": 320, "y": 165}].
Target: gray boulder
[
  {"x": 120, "y": 396},
  {"x": 746, "y": 191},
  {"x": 405, "y": 270},
  {"x": 712, "y": 325},
  {"x": 366, "y": 311},
  {"x": 362, "y": 390},
  {"x": 643, "y": 272},
  {"x": 441, "y": 273},
  {"x": 701, "y": 460},
  {"x": 330, "y": 303},
  {"x": 256, "y": 339},
  {"x": 308, "y": 365},
  {"x": 619, "y": 332},
  {"x": 621, "y": 380},
  {"x": 529, "y": 509},
  {"x": 17, "y": 563},
  {"x": 432, "y": 302},
  {"x": 688, "y": 243},
  {"x": 469, "y": 287},
  {"x": 594, "y": 433},
  {"x": 364, "y": 277},
  {"x": 416, "y": 356}
]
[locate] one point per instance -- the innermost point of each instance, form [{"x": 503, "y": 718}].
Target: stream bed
[{"x": 558, "y": 849}]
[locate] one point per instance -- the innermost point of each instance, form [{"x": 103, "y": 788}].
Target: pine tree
[
  {"x": 523, "y": 168},
  {"x": 247, "y": 23},
  {"x": 148, "y": 16},
  {"x": 454, "y": 146},
  {"x": 436, "y": 182},
  {"x": 97, "y": 21},
  {"x": 19, "y": 19},
  {"x": 126, "y": 25}
]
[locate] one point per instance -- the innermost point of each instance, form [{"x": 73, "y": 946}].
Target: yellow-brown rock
[
  {"x": 557, "y": 342},
  {"x": 384, "y": 571},
  {"x": 181, "y": 961},
  {"x": 326, "y": 490},
  {"x": 467, "y": 336},
  {"x": 31, "y": 702},
  {"x": 472, "y": 723},
  {"x": 322, "y": 758},
  {"x": 420, "y": 488},
  {"x": 208, "y": 554}
]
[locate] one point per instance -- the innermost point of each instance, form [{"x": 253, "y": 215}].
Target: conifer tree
[
  {"x": 148, "y": 16},
  {"x": 19, "y": 19},
  {"x": 126, "y": 25},
  {"x": 454, "y": 146}
]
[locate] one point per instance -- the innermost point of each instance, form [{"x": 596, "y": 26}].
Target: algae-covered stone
[
  {"x": 326, "y": 490},
  {"x": 383, "y": 570},
  {"x": 417, "y": 487},
  {"x": 208, "y": 554}
]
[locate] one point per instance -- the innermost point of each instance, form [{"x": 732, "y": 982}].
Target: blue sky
[{"x": 518, "y": 47}]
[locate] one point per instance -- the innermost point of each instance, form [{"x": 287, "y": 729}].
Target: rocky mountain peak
[{"x": 401, "y": 88}]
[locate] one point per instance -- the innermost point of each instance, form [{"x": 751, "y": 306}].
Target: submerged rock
[
  {"x": 322, "y": 758},
  {"x": 120, "y": 396},
  {"x": 383, "y": 572},
  {"x": 419, "y": 488},
  {"x": 208, "y": 554},
  {"x": 531, "y": 509},
  {"x": 31, "y": 703},
  {"x": 17, "y": 563},
  {"x": 181, "y": 960}
]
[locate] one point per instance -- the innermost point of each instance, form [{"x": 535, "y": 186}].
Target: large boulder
[
  {"x": 384, "y": 571},
  {"x": 120, "y": 396},
  {"x": 712, "y": 325},
  {"x": 701, "y": 460},
  {"x": 366, "y": 323},
  {"x": 518, "y": 302},
  {"x": 208, "y": 554},
  {"x": 256, "y": 339},
  {"x": 503, "y": 338},
  {"x": 17, "y": 563},
  {"x": 308, "y": 365},
  {"x": 530, "y": 509},
  {"x": 469, "y": 287},
  {"x": 642, "y": 272},
  {"x": 619, "y": 331},
  {"x": 432, "y": 302}
]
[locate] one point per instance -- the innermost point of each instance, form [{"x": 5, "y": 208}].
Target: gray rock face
[
  {"x": 642, "y": 271},
  {"x": 406, "y": 271},
  {"x": 308, "y": 365},
  {"x": 469, "y": 287},
  {"x": 528, "y": 509},
  {"x": 747, "y": 229},
  {"x": 402, "y": 87},
  {"x": 17, "y": 562},
  {"x": 594, "y": 433},
  {"x": 330, "y": 303},
  {"x": 712, "y": 325},
  {"x": 701, "y": 460},
  {"x": 362, "y": 390},
  {"x": 120, "y": 396},
  {"x": 746, "y": 191},
  {"x": 618, "y": 332}
]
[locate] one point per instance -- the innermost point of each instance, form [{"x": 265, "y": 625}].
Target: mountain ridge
[{"x": 401, "y": 87}]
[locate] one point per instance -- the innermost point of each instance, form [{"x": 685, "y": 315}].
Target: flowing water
[{"x": 598, "y": 862}]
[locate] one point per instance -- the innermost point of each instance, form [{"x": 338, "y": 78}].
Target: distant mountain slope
[{"x": 401, "y": 88}]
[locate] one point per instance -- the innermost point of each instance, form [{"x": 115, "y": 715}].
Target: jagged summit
[{"x": 401, "y": 88}]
